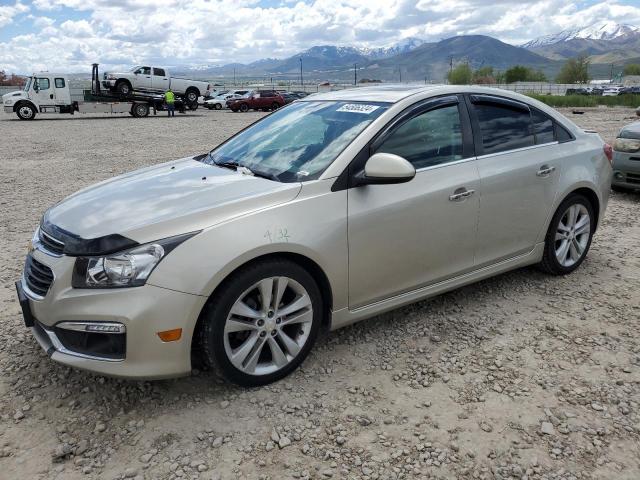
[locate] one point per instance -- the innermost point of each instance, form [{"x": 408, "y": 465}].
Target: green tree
[
  {"x": 520, "y": 73},
  {"x": 632, "y": 69},
  {"x": 461, "y": 75},
  {"x": 484, "y": 75},
  {"x": 575, "y": 70},
  {"x": 517, "y": 73}
]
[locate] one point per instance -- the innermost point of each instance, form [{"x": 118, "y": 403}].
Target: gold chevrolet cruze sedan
[{"x": 335, "y": 208}]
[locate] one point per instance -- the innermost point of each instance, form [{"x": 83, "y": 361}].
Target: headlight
[
  {"x": 129, "y": 268},
  {"x": 627, "y": 145},
  {"x": 111, "y": 77}
]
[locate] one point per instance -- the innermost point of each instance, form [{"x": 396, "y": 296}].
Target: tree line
[{"x": 575, "y": 70}]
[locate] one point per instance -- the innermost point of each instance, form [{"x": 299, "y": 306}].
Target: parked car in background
[
  {"x": 262, "y": 100},
  {"x": 612, "y": 91},
  {"x": 626, "y": 159},
  {"x": 289, "y": 97},
  {"x": 218, "y": 102},
  {"x": 331, "y": 210},
  {"x": 155, "y": 80}
]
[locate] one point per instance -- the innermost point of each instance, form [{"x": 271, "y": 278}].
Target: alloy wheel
[
  {"x": 268, "y": 326},
  {"x": 26, "y": 112},
  {"x": 572, "y": 235}
]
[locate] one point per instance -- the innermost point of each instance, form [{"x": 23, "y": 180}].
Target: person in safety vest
[{"x": 170, "y": 100}]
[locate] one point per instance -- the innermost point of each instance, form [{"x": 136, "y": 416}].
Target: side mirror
[{"x": 385, "y": 169}]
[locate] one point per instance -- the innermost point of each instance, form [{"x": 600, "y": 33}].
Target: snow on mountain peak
[{"x": 607, "y": 30}]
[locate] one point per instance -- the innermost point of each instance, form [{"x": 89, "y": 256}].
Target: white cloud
[
  {"x": 172, "y": 32},
  {"x": 8, "y": 12}
]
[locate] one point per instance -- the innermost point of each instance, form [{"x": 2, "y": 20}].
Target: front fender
[{"x": 314, "y": 225}]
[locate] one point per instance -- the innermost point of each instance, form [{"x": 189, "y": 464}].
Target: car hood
[
  {"x": 13, "y": 96},
  {"x": 165, "y": 200},
  {"x": 631, "y": 131}
]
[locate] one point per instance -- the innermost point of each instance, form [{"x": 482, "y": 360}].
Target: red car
[{"x": 263, "y": 100}]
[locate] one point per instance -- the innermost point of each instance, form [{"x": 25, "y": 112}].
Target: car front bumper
[
  {"x": 143, "y": 311},
  {"x": 626, "y": 170},
  {"x": 8, "y": 109}
]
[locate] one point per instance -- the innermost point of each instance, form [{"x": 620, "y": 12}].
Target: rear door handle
[
  {"x": 545, "y": 171},
  {"x": 461, "y": 194}
]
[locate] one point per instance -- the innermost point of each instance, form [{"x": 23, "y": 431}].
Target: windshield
[
  {"x": 27, "y": 84},
  {"x": 298, "y": 142}
]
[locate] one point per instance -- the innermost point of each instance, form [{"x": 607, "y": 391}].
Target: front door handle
[
  {"x": 460, "y": 194},
  {"x": 545, "y": 171}
]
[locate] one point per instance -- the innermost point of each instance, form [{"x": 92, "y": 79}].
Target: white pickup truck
[{"x": 154, "y": 80}]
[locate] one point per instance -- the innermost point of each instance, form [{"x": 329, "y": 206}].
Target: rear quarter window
[{"x": 543, "y": 127}]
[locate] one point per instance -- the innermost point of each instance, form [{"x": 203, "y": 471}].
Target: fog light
[
  {"x": 170, "y": 335},
  {"x": 95, "y": 327}
]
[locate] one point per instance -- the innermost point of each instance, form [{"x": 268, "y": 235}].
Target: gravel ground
[{"x": 522, "y": 376}]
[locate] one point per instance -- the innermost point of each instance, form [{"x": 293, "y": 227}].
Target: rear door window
[
  {"x": 159, "y": 72},
  {"x": 59, "y": 82},
  {"x": 503, "y": 127},
  {"x": 542, "y": 127},
  {"x": 430, "y": 138}
]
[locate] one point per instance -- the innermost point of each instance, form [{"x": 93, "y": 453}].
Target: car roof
[{"x": 395, "y": 93}]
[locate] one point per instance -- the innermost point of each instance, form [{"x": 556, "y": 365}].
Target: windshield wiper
[
  {"x": 255, "y": 173},
  {"x": 232, "y": 164}
]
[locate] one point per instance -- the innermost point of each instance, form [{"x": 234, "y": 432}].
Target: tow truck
[{"x": 46, "y": 92}]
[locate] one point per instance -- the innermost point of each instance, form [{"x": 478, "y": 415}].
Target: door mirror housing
[{"x": 385, "y": 169}]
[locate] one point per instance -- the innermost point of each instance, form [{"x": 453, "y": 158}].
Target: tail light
[{"x": 608, "y": 151}]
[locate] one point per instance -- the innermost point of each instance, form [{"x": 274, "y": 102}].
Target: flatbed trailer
[{"x": 46, "y": 92}]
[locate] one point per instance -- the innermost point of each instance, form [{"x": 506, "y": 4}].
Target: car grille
[
  {"x": 633, "y": 178},
  {"x": 37, "y": 276},
  {"x": 50, "y": 244}
]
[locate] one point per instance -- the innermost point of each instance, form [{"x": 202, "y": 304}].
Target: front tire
[
  {"x": 123, "y": 88},
  {"x": 26, "y": 112},
  {"x": 275, "y": 106},
  {"x": 262, "y": 322},
  {"x": 218, "y": 106},
  {"x": 569, "y": 236}
]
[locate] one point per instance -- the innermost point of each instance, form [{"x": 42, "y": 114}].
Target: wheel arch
[
  {"x": 19, "y": 103},
  {"x": 123, "y": 80},
  {"x": 310, "y": 265},
  {"x": 587, "y": 190},
  {"x": 192, "y": 89}
]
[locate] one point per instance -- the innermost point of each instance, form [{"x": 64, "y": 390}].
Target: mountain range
[{"x": 413, "y": 59}]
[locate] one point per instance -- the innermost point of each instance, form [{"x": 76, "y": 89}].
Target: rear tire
[
  {"x": 140, "y": 110},
  {"x": 191, "y": 97},
  {"x": 246, "y": 334},
  {"x": 26, "y": 112},
  {"x": 218, "y": 106},
  {"x": 244, "y": 108},
  {"x": 275, "y": 106},
  {"x": 569, "y": 236}
]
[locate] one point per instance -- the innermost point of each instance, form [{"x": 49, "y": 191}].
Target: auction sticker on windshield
[{"x": 358, "y": 108}]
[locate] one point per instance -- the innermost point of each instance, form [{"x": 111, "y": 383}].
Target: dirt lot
[{"x": 521, "y": 376}]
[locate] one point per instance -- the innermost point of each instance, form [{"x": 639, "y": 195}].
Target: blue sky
[{"x": 68, "y": 35}]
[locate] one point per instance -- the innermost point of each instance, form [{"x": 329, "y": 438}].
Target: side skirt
[{"x": 343, "y": 317}]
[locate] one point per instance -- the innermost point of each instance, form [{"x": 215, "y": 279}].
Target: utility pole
[
  {"x": 301, "y": 80},
  {"x": 355, "y": 73},
  {"x": 611, "y": 76},
  {"x": 234, "y": 76},
  {"x": 400, "y": 72},
  {"x": 451, "y": 64}
]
